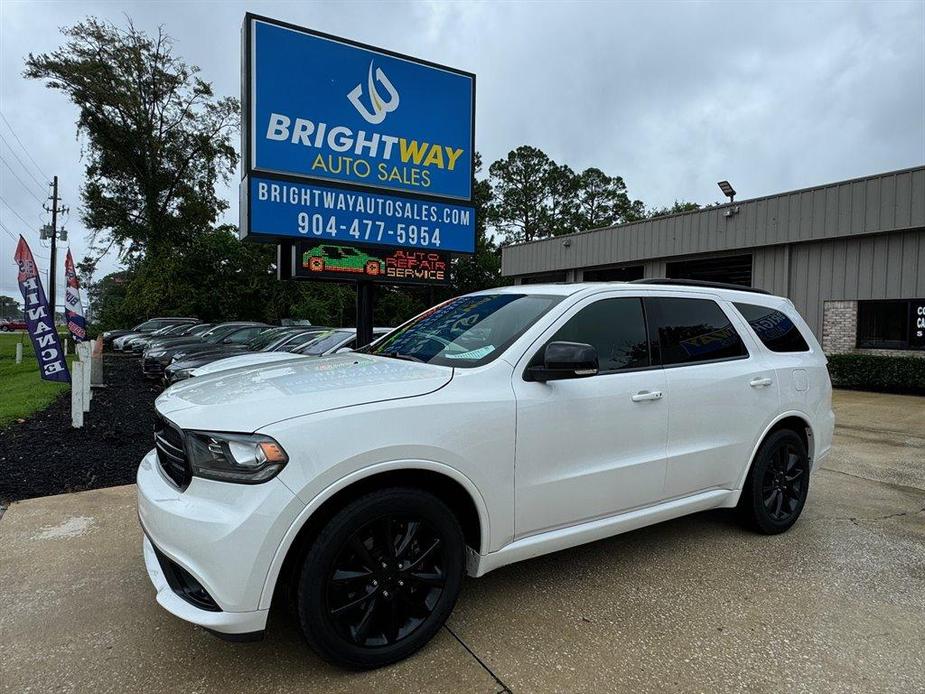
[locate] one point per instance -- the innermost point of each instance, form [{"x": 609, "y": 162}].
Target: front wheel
[
  {"x": 381, "y": 578},
  {"x": 776, "y": 487}
]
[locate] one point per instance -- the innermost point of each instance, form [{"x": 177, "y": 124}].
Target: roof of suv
[{"x": 730, "y": 291}]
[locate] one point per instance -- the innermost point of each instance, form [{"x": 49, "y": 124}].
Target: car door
[
  {"x": 721, "y": 395},
  {"x": 594, "y": 446}
]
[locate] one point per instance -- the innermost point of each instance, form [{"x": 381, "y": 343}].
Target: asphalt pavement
[{"x": 697, "y": 604}]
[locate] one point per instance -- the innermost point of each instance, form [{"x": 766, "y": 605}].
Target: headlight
[
  {"x": 180, "y": 374},
  {"x": 154, "y": 353},
  {"x": 246, "y": 458}
]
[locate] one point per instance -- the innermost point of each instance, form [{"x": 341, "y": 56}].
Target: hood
[
  {"x": 248, "y": 399},
  {"x": 224, "y": 363}
]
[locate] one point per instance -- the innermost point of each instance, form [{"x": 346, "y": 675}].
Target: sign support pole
[{"x": 365, "y": 296}]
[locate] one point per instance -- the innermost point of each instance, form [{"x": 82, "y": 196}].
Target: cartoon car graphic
[{"x": 332, "y": 258}]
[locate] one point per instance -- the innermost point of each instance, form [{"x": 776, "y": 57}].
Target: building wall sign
[
  {"x": 373, "y": 146},
  {"x": 917, "y": 328}
]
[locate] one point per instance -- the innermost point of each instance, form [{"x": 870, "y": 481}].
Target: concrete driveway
[{"x": 697, "y": 604}]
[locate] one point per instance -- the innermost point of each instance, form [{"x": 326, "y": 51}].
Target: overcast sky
[{"x": 671, "y": 96}]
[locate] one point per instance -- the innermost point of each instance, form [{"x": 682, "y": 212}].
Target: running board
[{"x": 563, "y": 538}]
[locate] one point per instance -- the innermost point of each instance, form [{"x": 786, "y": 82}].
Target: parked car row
[{"x": 174, "y": 349}]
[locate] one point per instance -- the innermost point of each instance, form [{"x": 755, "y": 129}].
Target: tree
[
  {"x": 481, "y": 270},
  {"x": 676, "y": 208},
  {"x": 9, "y": 307},
  {"x": 560, "y": 213},
  {"x": 602, "y": 201},
  {"x": 520, "y": 184},
  {"x": 157, "y": 138}
]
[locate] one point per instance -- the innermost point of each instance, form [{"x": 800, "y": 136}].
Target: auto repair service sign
[{"x": 350, "y": 143}]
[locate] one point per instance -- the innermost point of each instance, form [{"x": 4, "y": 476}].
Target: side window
[
  {"x": 692, "y": 330},
  {"x": 773, "y": 328},
  {"x": 616, "y": 328}
]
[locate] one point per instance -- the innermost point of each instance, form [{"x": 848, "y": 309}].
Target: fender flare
[
  {"x": 276, "y": 565},
  {"x": 751, "y": 460}
]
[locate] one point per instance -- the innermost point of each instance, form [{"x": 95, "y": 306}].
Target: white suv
[{"x": 495, "y": 427}]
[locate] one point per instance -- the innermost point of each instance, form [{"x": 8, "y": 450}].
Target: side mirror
[
  {"x": 342, "y": 350},
  {"x": 226, "y": 341},
  {"x": 565, "y": 360}
]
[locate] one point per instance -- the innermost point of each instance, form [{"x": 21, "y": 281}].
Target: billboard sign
[
  {"x": 327, "y": 116},
  {"x": 281, "y": 209},
  {"x": 335, "y": 261}
]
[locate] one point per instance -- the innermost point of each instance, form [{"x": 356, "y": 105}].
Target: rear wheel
[
  {"x": 381, "y": 578},
  {"x": 776, "y": 488}
]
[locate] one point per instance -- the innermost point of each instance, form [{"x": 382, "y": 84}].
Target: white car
[
  {"x": 328, "y": 342},
  {"x": 495, "y": 427}
]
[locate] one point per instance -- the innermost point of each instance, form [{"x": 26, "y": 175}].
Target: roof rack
[{"x": 700, "y": 283}]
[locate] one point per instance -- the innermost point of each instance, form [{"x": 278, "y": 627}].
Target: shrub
[{"x": 878, "y": 372}]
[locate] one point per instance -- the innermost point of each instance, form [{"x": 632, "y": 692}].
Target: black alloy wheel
[
  {"x": 386, "y": 580},
  {"x": 381, "y": 578},
  {"x": 784, "y": 479},
  {"x": 776, "y": 488}
]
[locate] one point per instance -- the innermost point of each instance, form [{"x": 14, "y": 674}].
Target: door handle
[
  {"x": 760, "y": 382},
  {"x": 647, "y": 395}
]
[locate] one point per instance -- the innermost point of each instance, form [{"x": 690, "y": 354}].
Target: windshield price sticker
[{"x": 299, "y": 210}]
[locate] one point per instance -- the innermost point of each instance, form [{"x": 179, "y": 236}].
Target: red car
[{"x": 8, "y": 325}]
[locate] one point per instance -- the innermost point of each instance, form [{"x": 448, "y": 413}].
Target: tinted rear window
[
  {"x": 688, "y": 331},
  {"x": 773, "y": 328}
]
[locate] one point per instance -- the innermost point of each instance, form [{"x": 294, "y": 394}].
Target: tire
[
  {"x": 776, "y": 487},
  {"x": 360, "y": 609}
]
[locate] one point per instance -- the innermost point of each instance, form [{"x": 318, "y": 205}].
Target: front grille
[
  {"x": 152, "y": 367},
  {"x": 168, "y": 441}
]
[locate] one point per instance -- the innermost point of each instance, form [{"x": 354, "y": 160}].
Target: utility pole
[
  {"x": 54, "y": 248},
  {"x": 52, "y": 233}
]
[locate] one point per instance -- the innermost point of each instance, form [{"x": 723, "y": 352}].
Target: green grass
[{"x": 22, "y": 391}]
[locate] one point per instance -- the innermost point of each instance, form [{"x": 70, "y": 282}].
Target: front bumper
[{"x": 223, "y": 535}]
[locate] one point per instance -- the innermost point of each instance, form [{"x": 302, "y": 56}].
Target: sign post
[{"x": 353, "y": 152}]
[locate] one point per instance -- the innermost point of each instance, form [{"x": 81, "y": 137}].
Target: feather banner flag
[
  {"x": 39, "y": 321},
  {"x": 73, "y": 309}
]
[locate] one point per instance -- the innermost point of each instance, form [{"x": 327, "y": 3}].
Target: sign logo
[{"x": 380, "y": 107}]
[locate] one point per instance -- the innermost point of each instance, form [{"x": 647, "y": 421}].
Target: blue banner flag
[
  {"x": 40, "y": 321},
  {"x": 73, "y": 309}
]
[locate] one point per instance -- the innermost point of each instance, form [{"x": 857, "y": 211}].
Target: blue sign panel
[
  {"x": 328, "y": 109},
  {"x": 286, "y": 209}
]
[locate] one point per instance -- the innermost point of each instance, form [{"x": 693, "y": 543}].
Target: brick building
[{"x": 850, "y": 255}]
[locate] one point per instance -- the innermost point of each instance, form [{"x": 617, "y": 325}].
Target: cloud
[{"x": 673, "y": 97}]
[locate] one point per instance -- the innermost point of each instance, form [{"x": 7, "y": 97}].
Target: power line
[
  {"x": 24, "y": 167},
  {"x": 10, "y": 208},
  {"x": 37, "y": 167},
  {"x": 27, "y": 189},
  {"x": 12, "y": 235}
]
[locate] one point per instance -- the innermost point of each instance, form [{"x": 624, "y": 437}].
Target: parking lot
[{"x": 697, "y": 604}]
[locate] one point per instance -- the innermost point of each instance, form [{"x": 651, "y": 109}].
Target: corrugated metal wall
[
  {"x": 885, "y": 266},
  {"x": 876, "y": 204}
]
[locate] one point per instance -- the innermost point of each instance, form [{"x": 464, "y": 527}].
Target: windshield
[
  {"x": 267, "y": 337},
  {"x": 466, "y": 331},
  {"x": 218, "y": 332},
  {"x": 320, "y": 344}
]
